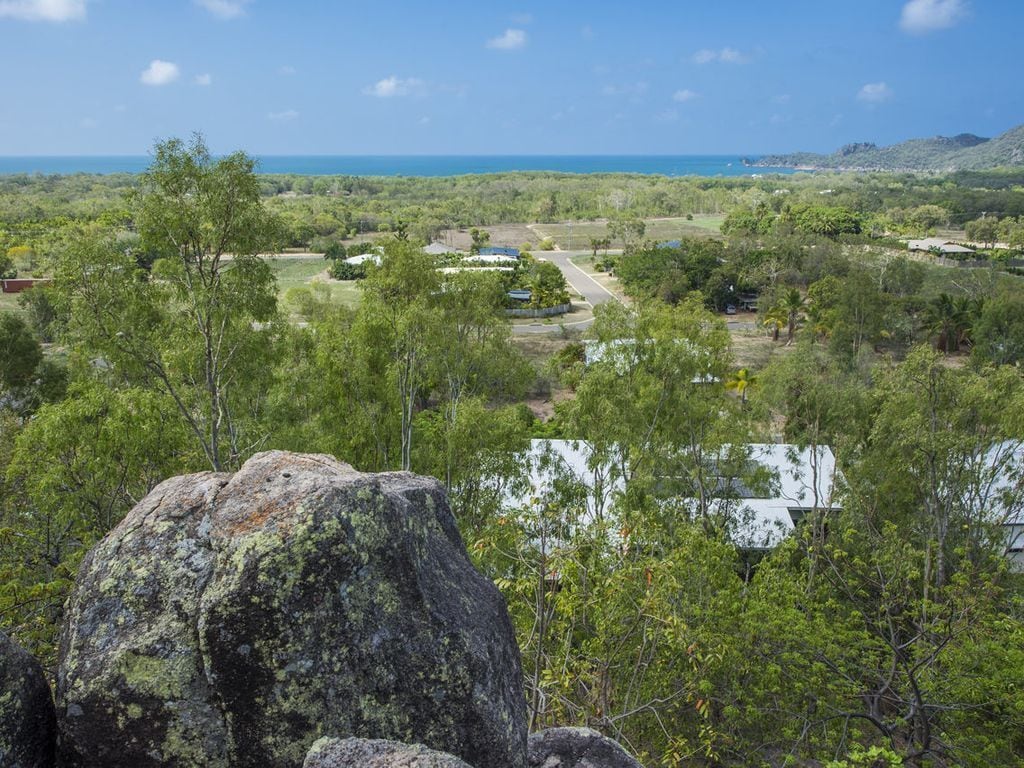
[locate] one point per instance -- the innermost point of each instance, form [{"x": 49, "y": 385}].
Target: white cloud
[
  {"x": 282, "y": 117},
  {"x": 684, "y": 95},
  {"x": 922, "y": 16},
  {"x": 874, "y": 93},
  {"x": 160, "y": 73},
  {"x": 224, "y": 9},
  {"x": 587, "y": 32},
  {"x": 510, "y": 40},
  {"x": 287, "y": 69},
  {"x": 43, "y": 10},
  {"x": 782, "y": 98},
  {"x": 395, "y": 86},
  {"x": 424, "y": 121},
  {"x": 724, "y": 55},
  {"x": 204, "y": 79},
  {"x": 522, "y": 18}
]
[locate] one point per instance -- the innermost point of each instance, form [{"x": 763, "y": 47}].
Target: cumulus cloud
[
  {"x": 509, "y": 40},
  {"x": 43, "y": 10},
  {"x": 684, "y": 95},
  {"x": 204, "y": 79},
  {"x": 393, "y": 86},
  {"x": 224, "y": 9},
  {"x": 284, "y": 116},
  {"x": 922, "y": 16},
  {"x": 724, "y": 55},
  {"x": 874, "y": 93},
  {"x": 160, "y": 73}
]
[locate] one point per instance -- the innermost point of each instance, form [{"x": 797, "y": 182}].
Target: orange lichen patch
[{"x": 261, "y": 515}]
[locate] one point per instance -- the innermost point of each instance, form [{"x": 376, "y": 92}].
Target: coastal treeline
[
  {"x": 317, "y": 211},
  {"x": 886, "y": 630}
]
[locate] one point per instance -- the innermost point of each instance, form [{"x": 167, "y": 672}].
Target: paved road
[
  {"x": 581, "y": 282},
  {"x": 592, "y": 292}
]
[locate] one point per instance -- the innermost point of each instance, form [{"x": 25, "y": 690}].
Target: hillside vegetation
[{"x": 941, "y": 153}]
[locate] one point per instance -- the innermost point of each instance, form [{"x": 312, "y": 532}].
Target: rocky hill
[
  {"x": 294, "y": 613},
  {"x": 941, "y": 153}
]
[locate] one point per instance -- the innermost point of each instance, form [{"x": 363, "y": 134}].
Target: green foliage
[
  {"x": 888, "y": 632},
  {"x": 670, "y": 273},
  {"x": 998, "y": 333},
  {"x": 76, "y": 468},
  {"x": 547, "y": 285},
  {"x": 202, "y": 327},
  {"x": 744, "y": 221},
  {"x": 7, "y": 268},
  {"x": 20, "y": 353},
  {"x": 984, "y": 230},
  {"x": 342, "y": 270},
  {"x": 42, "y": 313}
]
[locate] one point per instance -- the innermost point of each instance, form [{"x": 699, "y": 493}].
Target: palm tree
[
  {"x": 740, "y": 382},
  {"x": 968, "y": 312},
  {"x": 942, "y": 319},
  {"x": 818, "y": 321},
  {"x": 793, "y": 305},
  {"x": 775, "y": 318}
]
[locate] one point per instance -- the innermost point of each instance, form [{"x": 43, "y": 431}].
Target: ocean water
[{"x": 417, "y": 165}]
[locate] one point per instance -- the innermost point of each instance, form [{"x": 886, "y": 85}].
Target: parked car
[{"x": 730, "y": 309}]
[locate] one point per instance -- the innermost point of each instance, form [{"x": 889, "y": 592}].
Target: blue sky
[{"x": 461, "y": 77}]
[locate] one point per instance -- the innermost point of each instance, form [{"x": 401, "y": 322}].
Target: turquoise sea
[{"x": 417, "y": 165}]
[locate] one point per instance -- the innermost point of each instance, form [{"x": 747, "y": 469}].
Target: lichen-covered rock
[
  {"x": 376, "y": 753},
  {"x": 28, "y": 729},
  {"x": 231, "y": 620},
  {"x": 577, "y": 748}
]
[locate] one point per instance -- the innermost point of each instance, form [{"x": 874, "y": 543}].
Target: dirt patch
[
  {"x": 754, "y": 348},
  {"x": 543, "y": 408},
  {"x": 511, "y": 235}
]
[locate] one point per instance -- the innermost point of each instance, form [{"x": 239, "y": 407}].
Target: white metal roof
[
  {"x": 363, "y": 258},
  {"x": 491, "y": 258},
  {"x": 804, "y": 479}
]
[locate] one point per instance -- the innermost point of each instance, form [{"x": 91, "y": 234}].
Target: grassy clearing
[
  {"x": 576, "y": 236},
  {"x": 9, "y": 303},
  {"x": 303, "y": 272}
]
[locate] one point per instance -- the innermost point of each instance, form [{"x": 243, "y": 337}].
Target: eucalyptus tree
[{"x": 202, "y": 325}]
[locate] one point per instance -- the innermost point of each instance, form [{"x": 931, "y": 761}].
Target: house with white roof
[
  {"x": 939, "y": 245},
  {"x": 795, "y": 482},
  {"x": 362, "y": 258},
  {"x": 439, "y": 249},
  {"x": 491, "y": 258}
]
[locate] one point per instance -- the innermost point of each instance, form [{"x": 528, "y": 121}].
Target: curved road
[{"x": 592, "y": 291}]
